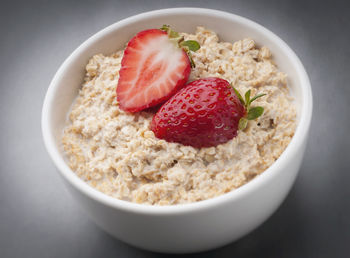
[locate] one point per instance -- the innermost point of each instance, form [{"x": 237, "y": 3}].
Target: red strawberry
[
  {"x": 205, "y": 113},
  {"x": 155, "y": 65}
]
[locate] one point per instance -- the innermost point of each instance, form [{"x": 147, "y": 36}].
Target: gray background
[{"x": 38, "y": 218}]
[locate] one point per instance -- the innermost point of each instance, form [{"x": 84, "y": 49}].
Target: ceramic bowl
[{"x": 189, "y": 227}]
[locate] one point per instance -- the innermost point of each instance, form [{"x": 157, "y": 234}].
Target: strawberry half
[
  {"x": 205, "y": 113},
  {"x": 155, "y": 65}
]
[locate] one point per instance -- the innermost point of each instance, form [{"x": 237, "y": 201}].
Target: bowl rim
[{"x": 293, "y": 147}]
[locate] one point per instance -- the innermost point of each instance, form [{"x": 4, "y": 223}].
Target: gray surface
[{"x": 38, "y": 218}]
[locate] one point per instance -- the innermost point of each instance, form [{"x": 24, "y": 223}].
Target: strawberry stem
[
  {"x": 187, "y": 46},
  {"x": 251, "y": 113}
]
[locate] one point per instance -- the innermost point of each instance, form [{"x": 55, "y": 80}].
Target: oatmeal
[{"x": 117, "y": 153}]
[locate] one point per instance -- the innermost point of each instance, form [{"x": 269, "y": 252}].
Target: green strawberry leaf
[
  {"x": 174, "y": 34},
  {"x": 238, "y": 95},
  {"x": 242, "y": 124},
  {"x": 247, "y": 98},
  {"x": 255, "y": 112},
  {"x": 257, "y": 96},
  {"x": 191, "y": 44},
  {"x": 165, "y": 27}
]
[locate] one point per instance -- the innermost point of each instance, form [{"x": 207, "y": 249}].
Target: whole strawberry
[{"x": 205, "y": 113}]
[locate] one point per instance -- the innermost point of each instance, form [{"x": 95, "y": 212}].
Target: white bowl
[{"x": 189, "y": 227}]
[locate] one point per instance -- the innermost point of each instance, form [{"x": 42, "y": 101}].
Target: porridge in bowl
[{"x": 117, "y": 153}]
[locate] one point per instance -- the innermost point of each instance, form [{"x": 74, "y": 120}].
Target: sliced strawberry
[{"x": 153, "y": 68}]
